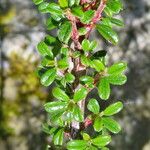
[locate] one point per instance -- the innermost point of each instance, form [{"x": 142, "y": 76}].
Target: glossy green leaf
[
  {"x": 80, "y": 94},
  {"x": 77, "y": 11},
  {"x": 63, "y": 3},
  {"x": 64, "y": 51},
  {"x": 74, "y": 2},
  {"x": 37, "y": 2},
  {"x": 62, "y": 63},
  {"x": 48, "y": 77},
  {"x": 114, "y": 6},
  {"x": 85, "y": 60},
  {"x": 53, "y": 107},
  {"x": 101, "y": 140},
  {"x": 97, "y": 65},
  {"x": 93, "y": 45},
  {"x": 104, "y": 88},
  {"x": 107, "y": 33},
  {"x": 60, "y": 94},
  {"x": 44, "y": 50},
  {"x": 77, "y": 145},
  {"x": 98, "y": 124},
  {"x": 93, "y": 106},
  {"x": 111, "y": 125},
  {"x": 69, "y": 78},
  {"x": 82, "y": 31},
  {"x": 86, "y": 136},
  {"x": 113, "y": 109},
  {"x": 117, "y": 79},
  {"x": 117, "y": 68},
  {"x": 87, "y": 16},
  {"x": 77, "y": 114},
  {"x": 56, "y": 116},
  {"x": 43, "y": 7},
  {"x": 87, "y": 79},
  {"x": 58, "y": 137},
  {"x": 56, "y": 11},
  {"x": 107, "y": 22},
  {"x": 86, "y": 45},
  {"x": 117, "y": 22},
  {"x": 64, "y": 33}
]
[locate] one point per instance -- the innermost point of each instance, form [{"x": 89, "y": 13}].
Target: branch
[
  {"x": 74, "y": 34},
  {"x": 97, "y": 17}
]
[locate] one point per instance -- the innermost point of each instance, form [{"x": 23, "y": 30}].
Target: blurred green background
[{"x": 22, "y": 96}]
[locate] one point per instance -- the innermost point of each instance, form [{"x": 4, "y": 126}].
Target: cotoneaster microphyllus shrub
[{"x": 67, "y": 60}]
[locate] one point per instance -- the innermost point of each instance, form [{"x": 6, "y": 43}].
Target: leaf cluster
[{"x": 67, "y": 59}]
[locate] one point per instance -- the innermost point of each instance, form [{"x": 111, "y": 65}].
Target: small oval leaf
[
  {"x": 113, "y": 109},
  {"x": 93, "y": 106},
  {"x": 101, "y": 140},
  {"x": 98, "y": 124},
  {"x": 111, "y": 125},
  {"x": 77, "y": 145},
  {"x": 53, "y": 107},
  {"x": 80, "y": 94},
  {"x": 48, "y": 77},
  {"x": 60, "y": 94},
  {"x": 104, "y": 89}
]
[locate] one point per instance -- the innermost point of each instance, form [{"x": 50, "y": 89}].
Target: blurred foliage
[{"x": 22, "y": 71}]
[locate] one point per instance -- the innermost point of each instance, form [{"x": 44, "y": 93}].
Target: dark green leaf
[
  {"x": 47, "y": 62},
  {"x": 64, "y": 33},
  {"x": 44, "y": 50},
  {"x": 58, "y": 137},
  {"x": 53, "y": 107},
  {"x": 117, "y": 68},
  {"x": 93, "y": 106},
  {"x": 111, "y": 125},
  {"x": 108, "y": 33},
  {"x": 98, "y": 54},
  {"x": 80, "y": 94},
  {"x": 113, "y": 109},
  {"x": 98, "y": 124},
  {"x": 60, "y": 94},
  {"x": 51, "y": 24},
  {"x": 48, "y": 77},
  {"x": 104, "y": 88},
  {"x": 117, "y": 79},
  {"x": 49, "y": 40},
  {"x": 101, "y": 140},
  {"x": 77, "y": 145}
]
